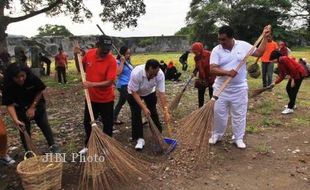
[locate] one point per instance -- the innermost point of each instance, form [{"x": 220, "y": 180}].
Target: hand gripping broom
[
  {"x": 107, "y": 164},
  {"x": 196, "y": 127}
]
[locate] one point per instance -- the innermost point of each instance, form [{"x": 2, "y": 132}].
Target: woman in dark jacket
[{"x": 23, "y": 96}]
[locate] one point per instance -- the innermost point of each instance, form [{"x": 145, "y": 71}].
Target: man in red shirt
[
  {"x": 100, "y": 68},
  {"x": 61, "y": 63},
  {"x": 296, "y": 72}
]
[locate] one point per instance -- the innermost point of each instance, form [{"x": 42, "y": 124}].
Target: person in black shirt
[
  {"x": 48, "y": 62},
  {"x": 183, "y": 60},
  {"x": 23, "y": 96},
  {"x": 163, "y": 66}
]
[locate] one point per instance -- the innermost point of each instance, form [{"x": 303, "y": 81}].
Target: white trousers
[{"x": 235, "y": 103}]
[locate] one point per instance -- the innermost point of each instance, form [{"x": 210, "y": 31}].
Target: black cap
[{"x": 105, "y": 41}]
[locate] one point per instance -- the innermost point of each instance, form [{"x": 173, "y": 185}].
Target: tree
[
  {"x": 54, "y": 30},
  {"x": 247, "y": 17},
  {"x": 301, "y": 10},
  {"x": 122, "y": 13}
]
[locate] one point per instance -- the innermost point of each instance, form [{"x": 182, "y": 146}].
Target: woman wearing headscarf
[
  {"x": 172, "y": 72},
  {"x": 202, "y": 67},
  {"x": 296, "y": 72}
]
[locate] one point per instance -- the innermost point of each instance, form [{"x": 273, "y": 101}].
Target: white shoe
[
  {"x": 233, "y": 137},
  {"x": 214, "y": 139},
  {"x": 240, "y": 144},
  {"x": 295, "y": 107},
  {"x": 140, "y": 144},
  {"x": 287, "y": 111},
  {"x": 83, "y": 151},
  {"x": 7, "y": 160}
]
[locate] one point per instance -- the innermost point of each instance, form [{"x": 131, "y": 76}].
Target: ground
[{"x": 277, "y": 156}]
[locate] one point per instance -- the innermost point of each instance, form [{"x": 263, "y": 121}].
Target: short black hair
[
  {"x": 275, "y": 55},
  {"x": 227, "y": 30},
  {"x": 151, "y": 63}
]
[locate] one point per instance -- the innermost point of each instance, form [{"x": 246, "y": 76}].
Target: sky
[{"x": 163, "y": 17}]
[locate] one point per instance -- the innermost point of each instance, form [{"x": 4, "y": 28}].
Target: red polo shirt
[
  {"x": 98, "y": 70},
  {"x": 287, "y": 66}
]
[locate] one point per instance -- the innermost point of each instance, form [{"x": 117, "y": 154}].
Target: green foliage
[
  {"x": 54, "y": 30},
  {"x": 247, "y": 17},
  {"x": 146, "y": 42}
]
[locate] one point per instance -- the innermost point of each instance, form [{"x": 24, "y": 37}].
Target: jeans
[
  {"x": 184, "y": 65},
  {"x": 292, "y": 91},
  {"x": 136, "y": 119},
  {"x": 40, "y": 118},
  {"x": 201, "y": 95},
  {"x": 123, "y": 94},
  {"x": 105, "y": 110},
  {"x": 61, "y": 73},
  {"x": 267, "y": 71}
]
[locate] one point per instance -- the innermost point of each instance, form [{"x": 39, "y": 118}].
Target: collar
[
  {"x": 235, "y": 44},
  {"x": 143, "y": 72}
]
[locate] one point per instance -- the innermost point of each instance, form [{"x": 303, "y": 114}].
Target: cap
[{"x": 105, "y": 41}]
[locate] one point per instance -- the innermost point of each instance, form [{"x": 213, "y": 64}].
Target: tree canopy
[
  {"x": 247, "y": 17},
  {"x": 122, "y": 13},
  {"x": 54, "y": 30}
]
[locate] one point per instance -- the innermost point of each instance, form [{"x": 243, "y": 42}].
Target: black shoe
[{"x": 54, "y": 149}]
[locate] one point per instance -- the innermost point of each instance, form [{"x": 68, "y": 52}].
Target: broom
[
  {"x": 157, "y": 136},
  {"x": 114, "y": 167},
  {"x": 175, "y": 102},
  {"x": 196, "y": 128},
  {"x": 259, "y": 91},
  {"x": 28, "y": 140}
]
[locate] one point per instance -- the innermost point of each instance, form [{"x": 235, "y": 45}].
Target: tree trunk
[{"x": 3, "y": 26}]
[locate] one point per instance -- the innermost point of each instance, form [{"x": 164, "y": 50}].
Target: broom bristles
[
  {"x": 259, "y": 91},
  {"x": 119, "y": 170},
  {"x": 157, "y": 136},
  {"x": 175, "y": 102},
  {"x": 196, "y": 129}
]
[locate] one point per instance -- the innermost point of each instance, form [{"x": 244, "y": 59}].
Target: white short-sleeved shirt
[
  {"x": 139, "y": 83},
  {"x": 228, "y": 60}
]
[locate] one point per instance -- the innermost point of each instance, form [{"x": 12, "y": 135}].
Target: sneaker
[
  {"x": 295, "y": 107},
  {"x": 7, "y": 160},
  {"x": 140, "y": 144},
  {"x": 54, "y": 149},
  {"x": 83, "y": 151},
  {"x": 287, "y": 111},
  {"x": 240, "y": 144},
  {"x": 214, "y": 139},
  {"x": 233, "y": 137}
]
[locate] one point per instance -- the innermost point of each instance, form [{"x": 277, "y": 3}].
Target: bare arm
[
  {"x": 12, "y": 112},
  {"x": 261, "y": 48},
  {"x": 121, "y": 66},
  {"x": 216, "y": 70},
  {"x": 141, "y": 104}
]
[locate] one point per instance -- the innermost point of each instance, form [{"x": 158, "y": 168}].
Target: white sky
[{"x": 163, "y": 17}]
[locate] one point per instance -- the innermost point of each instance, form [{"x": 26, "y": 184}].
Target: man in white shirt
[
  {"x": 143, "y": 83},
  {"x": 224, "y": 59}
]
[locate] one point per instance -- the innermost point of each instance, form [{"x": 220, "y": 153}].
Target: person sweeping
[
  {"x": 144, "y": 81},
  {"x": 296, "y": 72},
  {"x": 23, "y": 97},
  {"x": 202, "y": 67},
  {"x": 100, "y": 69},
  {"x": 224, "y": 59}
]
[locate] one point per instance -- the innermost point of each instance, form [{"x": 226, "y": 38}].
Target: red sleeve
[
  {"x": 282, "y": 72},
  {"x": 112, "y": 70}
]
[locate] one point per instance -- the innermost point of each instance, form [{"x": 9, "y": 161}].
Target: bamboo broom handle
[
  {"x": 218, "y": 93},
  {"x": 90, "y": 108}
]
